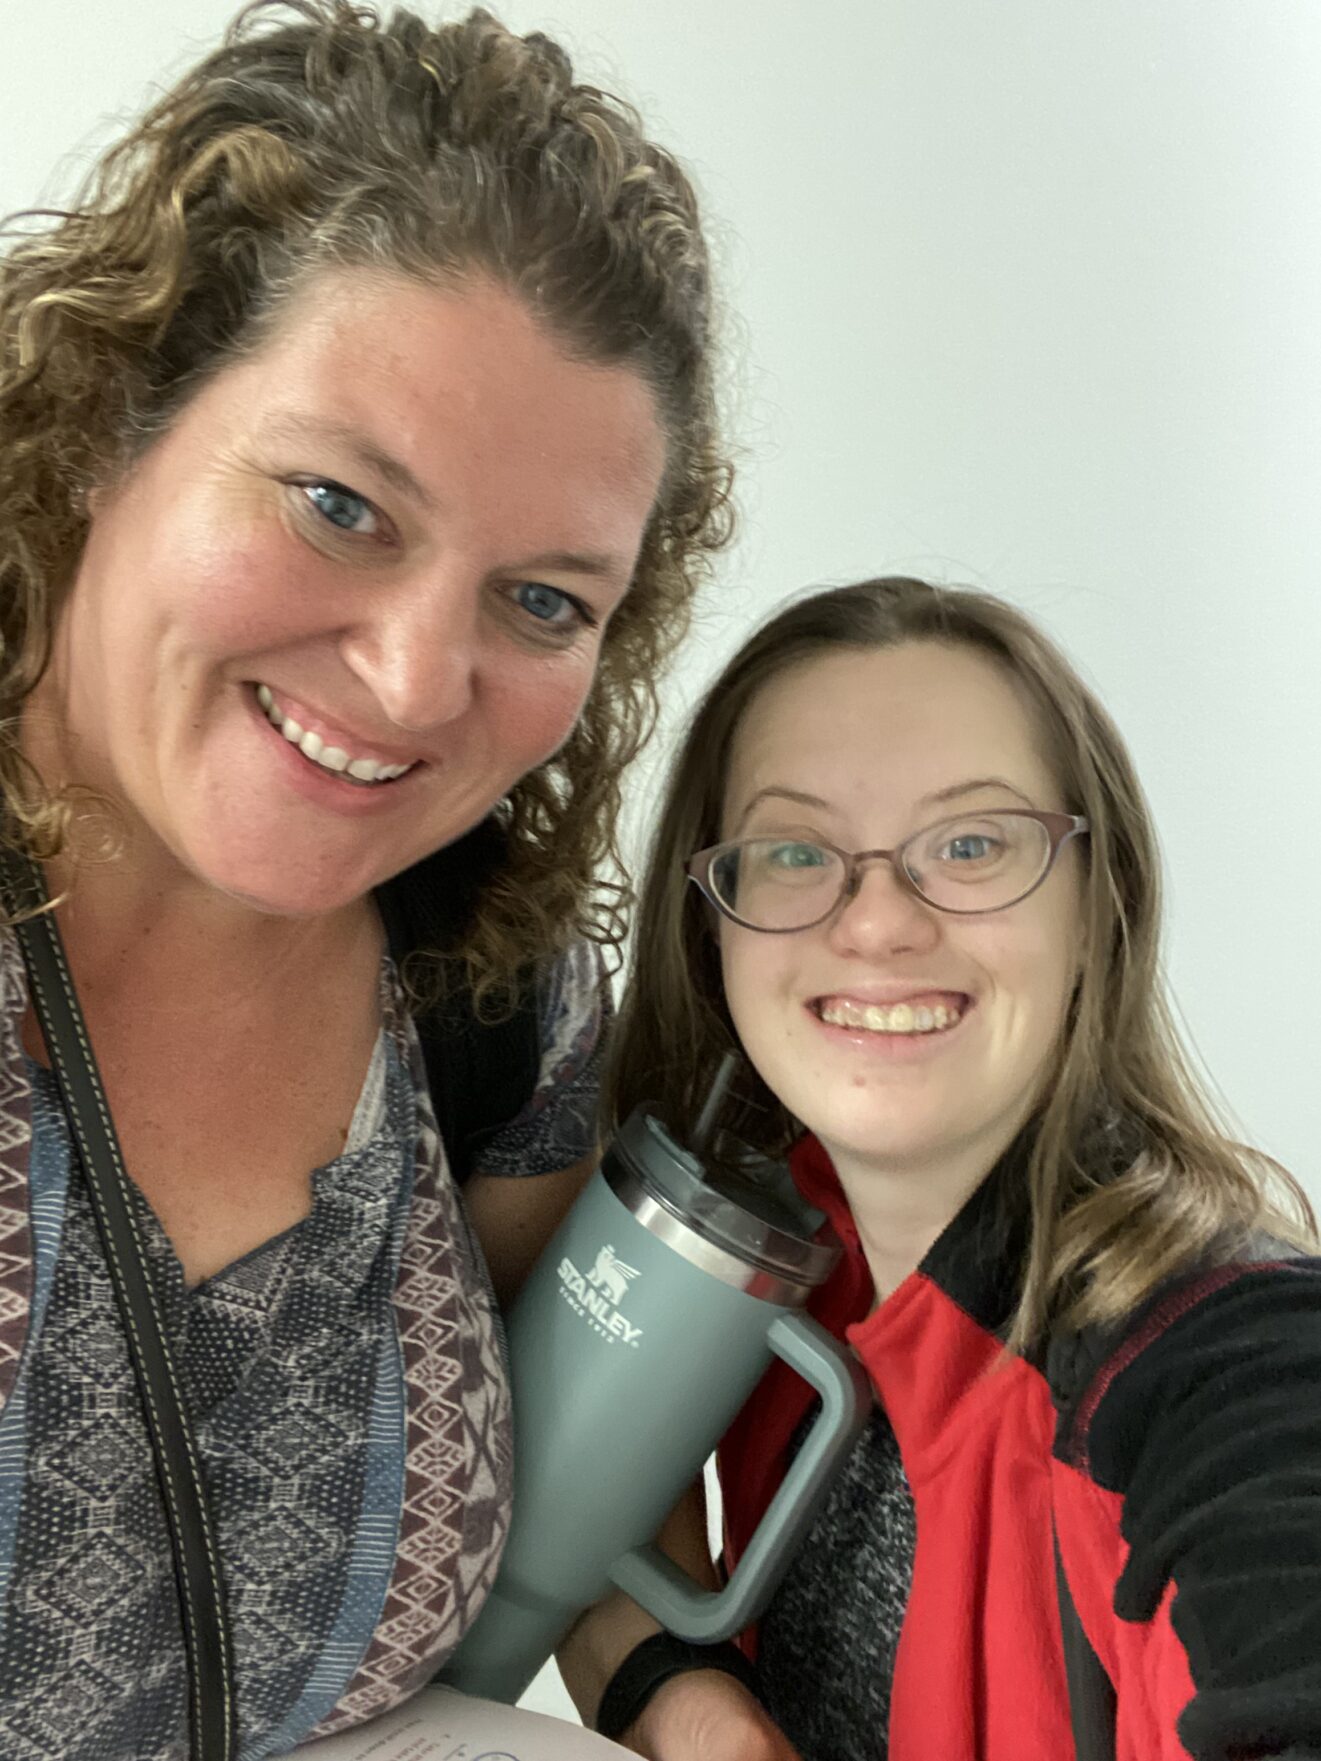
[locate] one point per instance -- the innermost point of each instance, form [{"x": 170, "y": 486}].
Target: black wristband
[{"x": 649, "y": 1665}]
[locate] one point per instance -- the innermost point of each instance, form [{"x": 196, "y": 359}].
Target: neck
[
  {"x": 140, "y": 916},
  {"x": 901, "y": 1208}
]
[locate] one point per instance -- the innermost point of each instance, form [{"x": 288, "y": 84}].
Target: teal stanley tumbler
[{"x": 641, "y": 1331}]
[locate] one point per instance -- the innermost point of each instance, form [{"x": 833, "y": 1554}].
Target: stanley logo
[{"x": 599, "y": 1294}]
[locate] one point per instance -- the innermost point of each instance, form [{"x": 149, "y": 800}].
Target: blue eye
[
  {"x": 970, "y": 847},
  {"x": 549, "y": 606},
  {"x": 341, "y": 508},
  {"x": 797, "y": 855}
]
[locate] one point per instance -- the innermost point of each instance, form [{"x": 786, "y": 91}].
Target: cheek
[
  {"x": 1042, "y": 972},
  {"x": 195, "y": 599},
  {"x": 1028, "y": 965},
  {"x": 1065, "y": 950},
  {"x": 259, "y": 589},
  {"x": 752, "y": 981},
  {"x": 536, "y": 705}
]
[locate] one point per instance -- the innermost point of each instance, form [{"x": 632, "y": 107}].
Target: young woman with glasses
[{"x": 926, "y": 911}]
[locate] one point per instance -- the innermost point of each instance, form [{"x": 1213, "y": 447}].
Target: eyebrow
[
  {"x": 971, "y": 788},
  {"x": 386, "y": 466},
  {"x": 784, "y": 795},
  {"x": 397, "y": 474},
  {"x": 573, "y": 562},
  {"x": 952, "y": 793}
]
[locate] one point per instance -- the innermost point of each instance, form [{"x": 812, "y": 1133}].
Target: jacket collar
[{"x": 977, "y": 1259}]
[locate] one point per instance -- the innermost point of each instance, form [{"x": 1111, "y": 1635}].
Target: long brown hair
[
  {"x": 320, "y": 136},
  {"x": 1103, "y": 1232}
]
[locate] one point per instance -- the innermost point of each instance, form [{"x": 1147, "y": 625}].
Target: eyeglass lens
[{"x": 982, "y": 862}]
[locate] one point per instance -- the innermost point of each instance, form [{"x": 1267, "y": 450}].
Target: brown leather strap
[{"x": 212, "y": 1721}]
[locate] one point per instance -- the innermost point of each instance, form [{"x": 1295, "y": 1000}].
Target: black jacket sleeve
[{"x": 1209, "y": 1426}]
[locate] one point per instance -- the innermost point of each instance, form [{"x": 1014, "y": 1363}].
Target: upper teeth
[
  {"x": 897, "y": 1018},
  {"x": 362, "y": 770}
]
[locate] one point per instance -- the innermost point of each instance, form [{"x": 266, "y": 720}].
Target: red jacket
[{"x": 1182, "y": 1470}]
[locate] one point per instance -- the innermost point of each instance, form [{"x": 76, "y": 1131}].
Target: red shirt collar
[{"x": 815, "y": 1177}]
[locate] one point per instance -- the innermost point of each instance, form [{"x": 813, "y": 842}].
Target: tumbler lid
[{"x": 739, "y": 1217}]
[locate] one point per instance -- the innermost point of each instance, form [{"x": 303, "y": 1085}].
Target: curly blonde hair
[
  {"x": 1131, "y": 1173},
  {"x": 320, "y": 136}
]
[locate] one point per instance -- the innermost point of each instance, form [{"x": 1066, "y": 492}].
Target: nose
[
  {"x": 884, "y": 917},
  {"x": 417, "y": 649}
]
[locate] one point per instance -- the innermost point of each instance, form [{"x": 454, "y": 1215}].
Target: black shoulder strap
[
  {"x": 212, "y": 1719},
  {"x": 481, "y": 1073},
  {"x": 1092, "y": 1703}
]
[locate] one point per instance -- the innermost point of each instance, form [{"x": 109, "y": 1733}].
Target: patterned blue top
[{"x": 347, "y": 1387}]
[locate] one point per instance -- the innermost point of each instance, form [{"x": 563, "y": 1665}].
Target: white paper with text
[{"x": 440, "y": 1725}]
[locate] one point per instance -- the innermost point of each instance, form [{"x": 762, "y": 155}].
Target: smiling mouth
[
  {"x": 368, "y": 773},
  {"x": 895, "y": 1018}
]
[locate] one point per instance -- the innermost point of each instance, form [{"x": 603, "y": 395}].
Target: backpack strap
[
  {"x": 1092, "y": 1702},
  {"x": 208, "y": 1648},
  {"x": 481, "y": 1074},
  {"x": 1070, "y": 1360}
]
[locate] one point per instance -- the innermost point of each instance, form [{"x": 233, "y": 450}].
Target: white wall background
[{"x": 1026, "y": 294}]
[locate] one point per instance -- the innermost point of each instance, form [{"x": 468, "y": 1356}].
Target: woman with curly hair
[
  {"x": 357, "y": 466},
  {"x": 904, "y": 867}
]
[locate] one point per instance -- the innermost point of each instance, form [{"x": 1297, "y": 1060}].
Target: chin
[
  {"x": 286, "y": 886},
  {"x": 292, "y": 901}
]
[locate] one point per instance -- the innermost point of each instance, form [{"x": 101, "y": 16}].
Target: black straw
[{"x": 711, "y": 1106}]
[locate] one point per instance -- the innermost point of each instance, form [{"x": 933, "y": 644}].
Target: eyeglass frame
[{"x": 1060, "y": 829}]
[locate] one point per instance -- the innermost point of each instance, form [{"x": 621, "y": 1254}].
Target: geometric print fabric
[{"x": 348, "y": 1392}]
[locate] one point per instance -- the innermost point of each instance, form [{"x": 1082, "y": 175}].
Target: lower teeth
[
  {"x": 358, "y": 782},
  {"x": 913, "y": 1030}
]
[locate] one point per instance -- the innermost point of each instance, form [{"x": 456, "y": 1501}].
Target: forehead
[
  {"x": 879, "y": 730},
  {"x": 459, "y": 379}
]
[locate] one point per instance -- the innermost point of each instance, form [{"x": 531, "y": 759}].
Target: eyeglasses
[{"x": 977, "y": 862}]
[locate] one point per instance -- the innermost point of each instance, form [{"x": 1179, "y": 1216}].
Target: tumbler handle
[{"x": 705, "y": 1616}]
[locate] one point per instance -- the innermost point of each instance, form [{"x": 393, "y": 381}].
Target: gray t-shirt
[{"x": 825, "y": 1659}]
